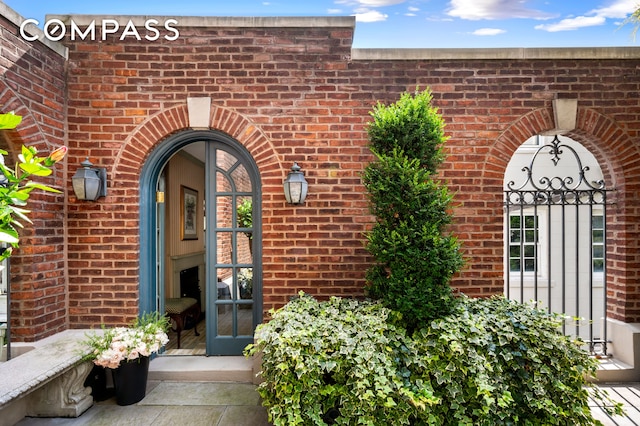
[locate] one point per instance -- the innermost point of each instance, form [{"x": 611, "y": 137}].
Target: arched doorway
[
  {"x": 555, "y": 201},
  {"x": 204, "y": 215}
]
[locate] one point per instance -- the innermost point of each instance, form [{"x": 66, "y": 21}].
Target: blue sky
[{"x": 404, "y": 23}]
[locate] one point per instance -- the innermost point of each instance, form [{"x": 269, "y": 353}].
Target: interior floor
[{"x": 190, "y": 344}]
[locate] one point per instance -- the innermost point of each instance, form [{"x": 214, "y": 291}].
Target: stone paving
[
  {"x": 626, "y": 393},
  {"x": 176, "y": 404},
  {"x": 180, "y": 403}
]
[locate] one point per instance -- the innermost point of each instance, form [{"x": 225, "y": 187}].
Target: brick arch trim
[
  {"x": 611, "y": 145},
  {"x": 599, "y": 133},
  {"x": 29, "y": 131},
  {"x": 505, "y": 145},
  {"x": 172, "y": 120},
  {"x": 617, "y": 155}
]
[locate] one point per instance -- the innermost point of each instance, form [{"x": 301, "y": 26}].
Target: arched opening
[
  {"x": 196, "y": 244},
  {"x": 555, "y": 234}
]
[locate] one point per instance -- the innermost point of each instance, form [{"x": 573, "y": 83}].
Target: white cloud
[
  {"x": 412, "y": 11},
  {"x": 365, "y": 10},
  {"x": 370, "y": 16},
  {"x": 488, "y": 31},
  {"x": 493, "y": 9},
  {"x": 334, "y": 11},
  {"x": 572, "y": 23},
  {"x": 619, "y": 9}
]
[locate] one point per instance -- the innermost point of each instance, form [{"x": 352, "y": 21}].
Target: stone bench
[{"x": 46, "y": 381}]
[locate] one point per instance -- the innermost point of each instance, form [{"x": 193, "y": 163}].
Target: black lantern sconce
[
  {"x": 89, "y": 182},
  {"x": 295, "y": 186}
]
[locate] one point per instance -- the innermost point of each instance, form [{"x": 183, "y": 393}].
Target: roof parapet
[
  {"x": 16, "y": 19},
  {"x": 220, "y": 21},
  {"x": 525, "y": 53}
]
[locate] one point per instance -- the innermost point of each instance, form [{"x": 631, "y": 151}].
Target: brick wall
[
  {"x": 32, "y": 83},
  {"x": 304, "y": 99},
  {"x": 276, "y": 91},
  {"x": 299, "y": 93}
]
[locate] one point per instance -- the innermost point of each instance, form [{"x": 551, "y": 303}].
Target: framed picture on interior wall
[{"x": 188, "y": 213}]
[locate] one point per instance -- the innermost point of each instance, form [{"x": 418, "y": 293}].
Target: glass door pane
[{"x": 230, "y": 253}]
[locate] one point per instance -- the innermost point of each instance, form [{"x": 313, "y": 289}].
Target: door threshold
[{"x": 238, "y": 369}]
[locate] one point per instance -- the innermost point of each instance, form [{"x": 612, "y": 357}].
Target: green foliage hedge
[
  {"x": 498, "y": 362},
  {"x": 331, "y": 359},
  {"x": 491, "y": 362}
]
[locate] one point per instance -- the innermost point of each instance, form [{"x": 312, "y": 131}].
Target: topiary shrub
[
  {"x": 415, "y": 256},
  {"x": 466, "y": 362},
  {"x": 491, "y": 362}
]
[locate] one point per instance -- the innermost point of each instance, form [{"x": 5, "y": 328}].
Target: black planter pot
[
  {"x": 97, "y": 381},
  {"x": 130, "y": 381}
]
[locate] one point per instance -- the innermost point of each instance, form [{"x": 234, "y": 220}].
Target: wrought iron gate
[{"x": 556, "y": 241}]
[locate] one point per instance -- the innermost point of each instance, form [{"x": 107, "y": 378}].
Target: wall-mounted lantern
[
  {"x": 295, "y": 186},
  {"x": 89, "y": 182}
]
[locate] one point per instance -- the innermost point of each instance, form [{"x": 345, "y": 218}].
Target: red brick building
[{"x": 163, "y": 115}]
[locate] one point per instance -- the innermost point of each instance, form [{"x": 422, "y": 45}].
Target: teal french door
[
  {"x": 232, "y": 299},
  {"x": 233, "y": 285}
]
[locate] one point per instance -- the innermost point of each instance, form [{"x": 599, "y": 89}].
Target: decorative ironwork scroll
[{"x": 562, "y": 264}]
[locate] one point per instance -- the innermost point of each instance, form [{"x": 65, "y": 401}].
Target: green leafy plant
[
  {"x": 244, "y": 212},
  {"x": 331, "y": 362},
  {"x": 499, "y": 362},
  {"x": 16, "y": 185},
  {"x": 418, "y": 355},
  {"x": 411, "y": 126},
  {"x": 9, "y": 121},
  {"x": 634, "y": 20},
  {"x": 415, "y": 256},
  {"x": 490, "y": 362}
]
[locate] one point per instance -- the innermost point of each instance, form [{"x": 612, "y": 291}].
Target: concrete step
[
  {"x": 238, "y": 369},
  {"x": 614, "y": 370},
  {"x": 194, "y": 368}
]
